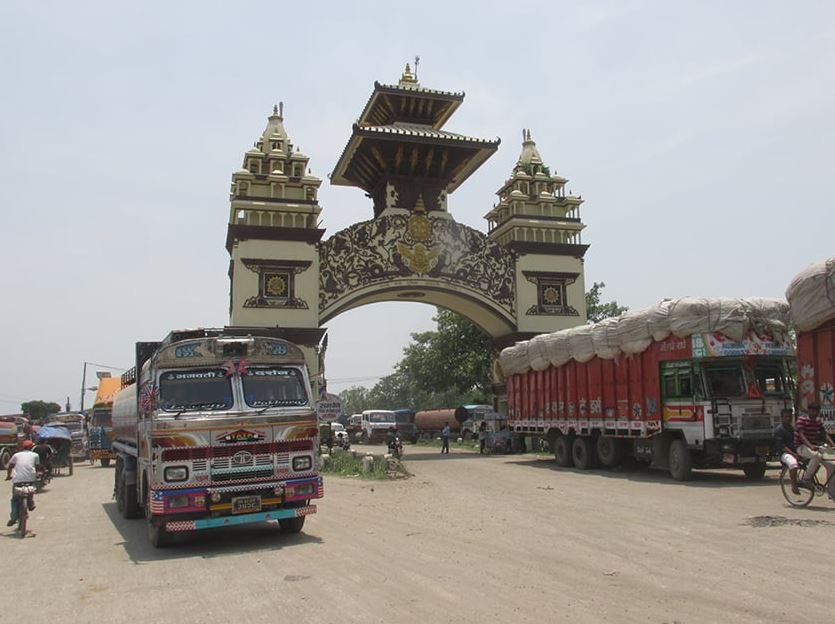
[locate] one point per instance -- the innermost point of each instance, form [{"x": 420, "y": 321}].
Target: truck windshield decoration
[
  {"x": 725, "y": 382},
  {"x": 274, "y": 387},
  {"x": 101, "y": 418},
  {"x": 192, "y": 390},
  {"x": 770, "y": 380}
]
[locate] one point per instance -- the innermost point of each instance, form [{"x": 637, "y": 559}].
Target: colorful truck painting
[
  {"x": 701, "y": 401},
  {"x": 215, "y": 428},
  {"x": 100, "y": 425}
]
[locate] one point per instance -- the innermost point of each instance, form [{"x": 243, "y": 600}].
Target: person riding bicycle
[
  {"x": 22, "y": 469},
  {"x": 808, "y": 434},
  {"x": 784, "y": 445}
]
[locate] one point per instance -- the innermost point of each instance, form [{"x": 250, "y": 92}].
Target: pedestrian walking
[{"x": 445, "y": 439}]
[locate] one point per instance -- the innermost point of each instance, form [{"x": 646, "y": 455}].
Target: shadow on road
[
  {"x": 423, "y": 455},
  {"x": 701, "y": 478},
  {"x": 204, "y": 544}
]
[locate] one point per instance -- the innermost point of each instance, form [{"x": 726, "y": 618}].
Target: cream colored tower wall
[
  {"x": 526, "y": 293},
  {"x": 246, "y": 286}
]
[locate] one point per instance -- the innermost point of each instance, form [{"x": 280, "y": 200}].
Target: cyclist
[
  {"x": 808, "y": 434},
  {"x": 784, "y": 445},
  {"x": 21, "y": 470}
]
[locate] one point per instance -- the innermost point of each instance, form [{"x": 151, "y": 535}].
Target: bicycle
[
  {"x": 806, "y": 491},
  {"x": 21, "y": 492}
]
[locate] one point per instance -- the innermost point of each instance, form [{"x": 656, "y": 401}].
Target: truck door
[{"x": 681, "y": 398}]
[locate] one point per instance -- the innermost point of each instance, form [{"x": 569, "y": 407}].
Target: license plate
[
  {"x": 246, "y": 504},
  {"x": 761, "y": 450},
  {"x": 728, "y": 458}
]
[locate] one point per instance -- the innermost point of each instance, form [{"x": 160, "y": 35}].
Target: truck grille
[{"x": 241, "y": 475}]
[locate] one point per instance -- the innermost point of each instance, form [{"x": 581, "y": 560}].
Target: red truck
[
  {"x": 708, "y": 397},
  {"x": 811, "y": 296}
]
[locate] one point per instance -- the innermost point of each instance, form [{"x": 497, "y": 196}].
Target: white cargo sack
[
  {"x": 582, "y": 345},
  {"x": 702, "y": 315},
  {"x": 768, "y": 316},
  {"x": 605, "y": 340},
  {"x": 811, "y": 295},
  {"x": 633, "y": 331},
  {"x": 514, "y": 360},
  {"x": 537, "y": 353},
  {"x": 559, "y": 348}
]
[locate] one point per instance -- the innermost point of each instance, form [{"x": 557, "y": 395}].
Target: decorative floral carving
[{"x": 399, "y": 246}]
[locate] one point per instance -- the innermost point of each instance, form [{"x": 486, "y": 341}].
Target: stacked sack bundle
[
  {"x": 634, "y": 332},
  {"x": 808, "y": 308}
]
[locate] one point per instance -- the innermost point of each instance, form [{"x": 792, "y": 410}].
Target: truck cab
[{"x": 371, "y": 426}]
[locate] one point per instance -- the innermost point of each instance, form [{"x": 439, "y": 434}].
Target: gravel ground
[{"x": 468, "y": 538}]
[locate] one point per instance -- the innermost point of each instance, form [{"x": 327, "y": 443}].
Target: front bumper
[{"x": 226, "y": 521}]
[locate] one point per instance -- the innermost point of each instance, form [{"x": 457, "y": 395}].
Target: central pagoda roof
[{"x": 399, "y": 135}]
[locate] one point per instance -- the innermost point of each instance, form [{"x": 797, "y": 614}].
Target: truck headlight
[
  {"x": 176, "y": 473},
  {"x": 305, "y": 462}
]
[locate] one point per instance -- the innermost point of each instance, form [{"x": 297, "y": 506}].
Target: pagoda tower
[
  {"x": 399, "y": 155},
  {"x": 271, "y": 238},
  {"x": 536, "y": 220}
]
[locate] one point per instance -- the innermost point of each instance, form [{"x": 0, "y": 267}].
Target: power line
[{"x": 119, "y": 368}]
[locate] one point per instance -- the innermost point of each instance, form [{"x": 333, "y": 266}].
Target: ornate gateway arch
[{"x": 524, "y": 277}]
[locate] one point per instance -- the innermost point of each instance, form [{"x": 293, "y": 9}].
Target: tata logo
[
  {"x": 242, "y": 458},
  {"x": 241, "y": 435}
]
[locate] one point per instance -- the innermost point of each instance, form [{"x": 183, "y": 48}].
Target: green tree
[
  {"x": 451, "y": 364},
  {"x": 597, "y": 310},
  {"x": 38, "y": 410},
  {"x": 355, "y": 400}
]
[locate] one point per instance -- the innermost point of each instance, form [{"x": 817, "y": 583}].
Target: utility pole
[{"x": 83, "y": 387}]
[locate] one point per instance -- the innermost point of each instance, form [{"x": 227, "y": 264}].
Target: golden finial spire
[{"x": 408, "y": 77}]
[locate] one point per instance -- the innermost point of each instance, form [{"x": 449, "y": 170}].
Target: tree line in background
[
  {"x": 39, "y": 410},
  {"x": 449, "y": 366}
]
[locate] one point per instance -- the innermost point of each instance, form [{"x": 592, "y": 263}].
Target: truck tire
[
  {"x": 5, "y": 456},
  {"x": 681, "y": 463},
  {"x": 562, "y": 451},
  {"x": 609, "y": 450},
  {"x": 128, "y": 504},
  {"x": 293, "y": 525},
  {"x": 105, "y": 462},
  {"x": 584, "y": 453},
  {"x": 754, "y": 471}
]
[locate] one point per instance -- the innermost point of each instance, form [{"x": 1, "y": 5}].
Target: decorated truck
[
  {"x": 370, "y": 426},
  {"x": 8, "y": 442},
  {"x": 100, "y": 424},
  {"x": 214, "y": 428},
  {"x": 74, "y": 422},
  {"x": 691, "y": 383},
  {"x": 811, "y": 296}
]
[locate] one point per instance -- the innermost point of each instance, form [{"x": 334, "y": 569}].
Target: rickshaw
[{"x": 60, "y": 440}]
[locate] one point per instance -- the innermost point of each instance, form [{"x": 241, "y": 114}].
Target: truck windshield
[
  {"x": 770, "y": 379},
  {"x": 381, "y": 417},
  {"x": 194, "y": 390},
  {"x": 274, "y": 387},
  {"x": 725, "y": 381},
  {"x": 101, "y": 418}
]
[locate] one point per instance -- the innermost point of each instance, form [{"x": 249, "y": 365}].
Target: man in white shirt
[{"x": 22, "y": 469}]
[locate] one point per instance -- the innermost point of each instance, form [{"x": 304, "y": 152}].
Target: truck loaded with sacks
[
  {"x": 214, "y": 428},
  {"x": 811, "y": 296},
  {"x": 688, "y": 383}
]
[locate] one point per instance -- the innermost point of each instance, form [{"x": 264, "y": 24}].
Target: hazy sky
[{"x": 700, "y": 135}]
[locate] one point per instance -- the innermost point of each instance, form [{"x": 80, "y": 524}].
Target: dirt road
[{"x": 467, "y": 539}]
